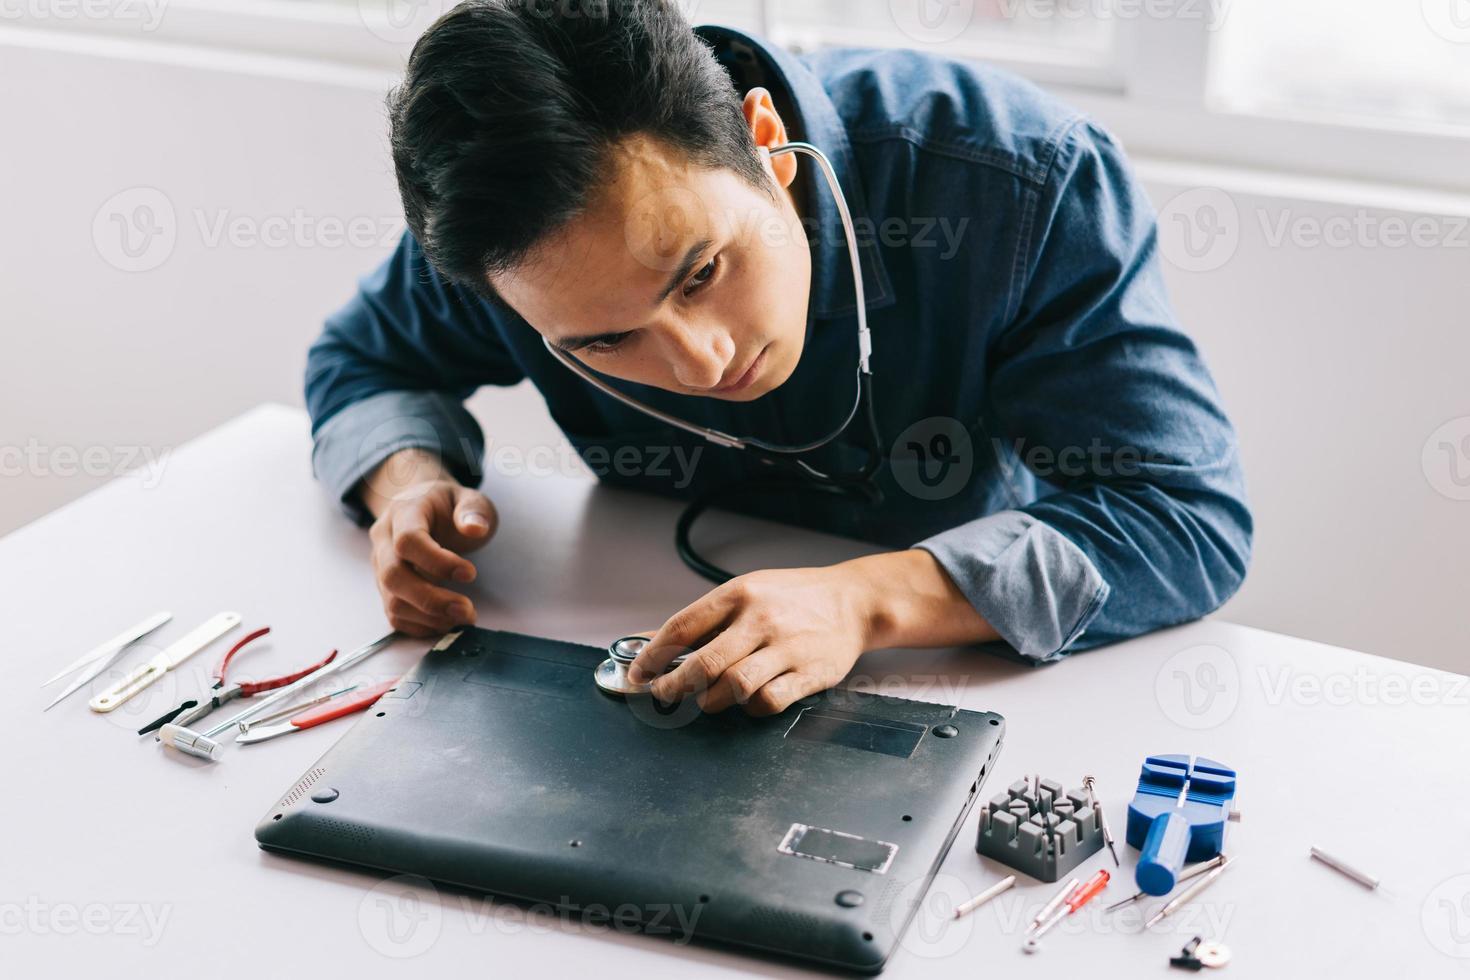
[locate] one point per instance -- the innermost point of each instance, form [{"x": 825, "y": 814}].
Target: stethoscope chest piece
[{"x": 612, "y": 673}]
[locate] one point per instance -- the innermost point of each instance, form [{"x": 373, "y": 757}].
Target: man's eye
[
  {"x": 704, "y": 275},
  {"x": 606, "y": 345}
]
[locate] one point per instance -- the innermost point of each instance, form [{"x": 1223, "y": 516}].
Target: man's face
[{"x": 678, "y": 276}]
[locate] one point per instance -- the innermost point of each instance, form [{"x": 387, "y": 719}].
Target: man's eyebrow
[{"x": 682, "y": 272}]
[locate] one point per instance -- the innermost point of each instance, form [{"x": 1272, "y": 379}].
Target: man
[{"x": 600, "y": 176}]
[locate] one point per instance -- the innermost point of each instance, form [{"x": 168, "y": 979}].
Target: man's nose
[{"x": 699, "y": 356}]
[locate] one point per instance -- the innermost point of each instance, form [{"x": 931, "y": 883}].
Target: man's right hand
[{"x": 426, "y": 521}]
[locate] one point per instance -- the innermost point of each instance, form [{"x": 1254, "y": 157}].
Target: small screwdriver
[
  {"x": 1075, "y": 901},
  {"x": 1193, "y": 872},
  {"x": 1102, "y": 819},
  {"x": 1189, "y": 893}
]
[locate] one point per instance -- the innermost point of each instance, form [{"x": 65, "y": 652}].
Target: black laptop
[{"x": 497, "y": 764}]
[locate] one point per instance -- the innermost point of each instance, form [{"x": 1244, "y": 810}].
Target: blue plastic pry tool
[{"x": 1178, "y": 816}]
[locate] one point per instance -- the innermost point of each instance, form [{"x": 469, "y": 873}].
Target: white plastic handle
[{"x": 179, "y": 651}]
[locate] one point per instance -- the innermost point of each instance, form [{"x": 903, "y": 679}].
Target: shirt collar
[{"x": 818, "y": 124}]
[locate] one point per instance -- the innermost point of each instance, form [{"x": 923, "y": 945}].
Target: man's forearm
[
  {"x": 400, "y": 472},
  {"x": 908, "y": 600}
]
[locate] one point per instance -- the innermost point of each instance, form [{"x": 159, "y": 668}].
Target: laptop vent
[
  {"x": 780, "y": 921},
  {"x": 885, "y": 900},
  {"x": 301, "y": 787},
  {"x": 351, "y": 831}
]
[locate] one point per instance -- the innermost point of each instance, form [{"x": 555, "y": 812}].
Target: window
[
  {"x": 1046, "y": 29},
  {"x": 1400, "y": 60},
  {"x": 1061, "y": 41},
  {"x": 1357, "y": 89}
]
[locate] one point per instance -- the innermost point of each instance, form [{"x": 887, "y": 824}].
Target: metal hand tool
[
  {"x": 179, "y": 651},
  {"x": 195, "y": 708},
  {"x": 1079, "y": 898},
  {"x": 1363, "y": 878},
  {"x": 102, "y": 656},
  {"x": 1056, "y": 901},
  {"x": 1090, "y": 783},
  {"x": 203, "y": 744},
  {"x": 294, "y": 709},
  {"x": 336, "y": 708},
  {"x": 1193, "y": 872},
  {"x": 1189, "y": 893}
]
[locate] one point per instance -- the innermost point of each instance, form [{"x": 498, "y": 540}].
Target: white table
[{"x": 123, "y": 859}]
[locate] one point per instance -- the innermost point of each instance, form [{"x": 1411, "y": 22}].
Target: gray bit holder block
[{"x": 1040, "y": 831}]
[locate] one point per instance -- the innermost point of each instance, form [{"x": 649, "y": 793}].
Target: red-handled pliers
[
  {"x": 336, "y": 708},
  {"x": 194, "y": 709}
]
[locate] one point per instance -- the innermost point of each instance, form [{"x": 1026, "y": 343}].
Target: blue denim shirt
[{"x": 1053, "y": 438}]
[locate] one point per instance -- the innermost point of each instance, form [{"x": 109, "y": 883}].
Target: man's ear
[{"x": 768, "y": 131}]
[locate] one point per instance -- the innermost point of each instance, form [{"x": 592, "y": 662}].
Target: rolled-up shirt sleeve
[
  {"x": 1096, "y": 390},
  {"x": 352, "y": 443},
  {"x": 392, "y": 370},
  {"x": 1029, "y": 581}
]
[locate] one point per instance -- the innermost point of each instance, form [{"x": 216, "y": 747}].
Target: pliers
[{"x": 195, "y": 708}]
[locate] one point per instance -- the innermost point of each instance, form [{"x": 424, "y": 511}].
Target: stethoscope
[
  {"x": 612, "y": 673},
  {"x": 804, "y": 475}
]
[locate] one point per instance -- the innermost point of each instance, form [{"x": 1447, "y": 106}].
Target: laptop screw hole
[
  {"x": 382, "y": 713},
  {"x": 868, "y": 936},
  {"x": 575, "y": 843},
  {"x": 278, "y": 816},
  {"x": 907, "y": 818},
  {"x": 994, "y": 722}
]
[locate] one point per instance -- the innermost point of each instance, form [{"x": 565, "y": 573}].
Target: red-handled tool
[
  {"x": 1075, "y": 901},
  {"x": 222, "y": 692},
  {"x": 336, "y": 708}
]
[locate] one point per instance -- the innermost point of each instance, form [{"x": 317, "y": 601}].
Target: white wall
[
  {"x": 1337, "y": 362},
  {"x": 94, "y": 356}
]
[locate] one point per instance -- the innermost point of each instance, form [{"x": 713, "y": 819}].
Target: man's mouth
[{"x": 746, "y": 379}]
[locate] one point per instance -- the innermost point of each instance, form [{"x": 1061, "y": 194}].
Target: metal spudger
[{"x": 102, "y": 656}]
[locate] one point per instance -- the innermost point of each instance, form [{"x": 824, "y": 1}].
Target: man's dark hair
[{"x": 502, "y": 127}]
